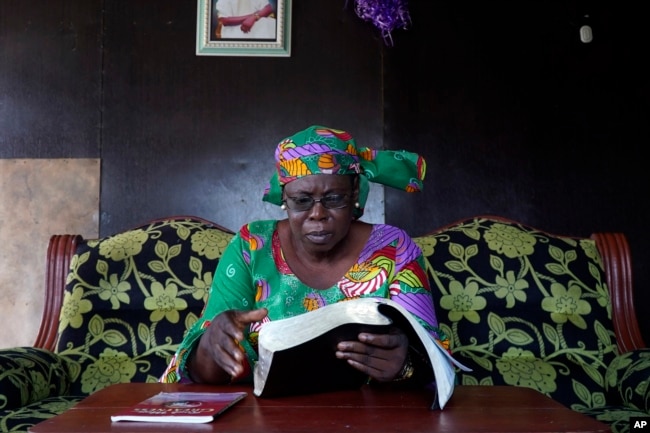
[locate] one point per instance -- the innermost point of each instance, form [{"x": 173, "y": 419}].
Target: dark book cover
[
  {"x": 297, "y": 355},
  {"x": 313, "y": 366}
]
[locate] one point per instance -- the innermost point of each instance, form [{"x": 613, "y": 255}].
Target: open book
[
  {"x": 297, "y": 354},
  {"x": 185, "y": 407}
]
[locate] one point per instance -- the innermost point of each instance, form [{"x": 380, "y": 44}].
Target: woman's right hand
[{"x": 218, "y": 358}]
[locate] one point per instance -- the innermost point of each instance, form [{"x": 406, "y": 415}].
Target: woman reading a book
[{"x": 320, "y": 254}]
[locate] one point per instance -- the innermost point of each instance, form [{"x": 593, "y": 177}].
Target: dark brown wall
[
  {"x": 514, "y": 114},
  {"x": 519, "y": 118}
]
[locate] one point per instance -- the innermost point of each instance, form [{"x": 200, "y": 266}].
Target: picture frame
[{"x": 264, "y": 32}]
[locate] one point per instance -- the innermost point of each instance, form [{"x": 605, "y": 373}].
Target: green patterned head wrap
[{"x": 323, "y": 150}]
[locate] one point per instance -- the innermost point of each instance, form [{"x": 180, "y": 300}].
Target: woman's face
[{"x": 319, "y": 229}]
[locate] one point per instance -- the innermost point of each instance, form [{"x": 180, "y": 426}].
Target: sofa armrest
[
  {"x": 617, "y": 261},
  {"x": 30, "y": 374},
  {"x": 628, "y": 379}
]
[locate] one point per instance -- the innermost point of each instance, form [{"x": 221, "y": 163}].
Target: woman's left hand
[{"x": 380, "y": 356}]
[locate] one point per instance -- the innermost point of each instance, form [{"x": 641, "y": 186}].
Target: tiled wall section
[{"x": 38, "y": 198}]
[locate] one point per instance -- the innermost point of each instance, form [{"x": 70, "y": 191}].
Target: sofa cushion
[
  {"x": 523, "y": 307},
  {"x": 130, "y": 298},
  {"x": 628, "y": 378},
  {"x": 23, "y": 418},
  {"x": 29, "y": 374},
  {"x": 617, "y": 417}
]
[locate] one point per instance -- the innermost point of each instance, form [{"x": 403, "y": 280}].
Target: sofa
[
  {"x": 115, "y": 311},
  {"x": 522, "y": 307}
]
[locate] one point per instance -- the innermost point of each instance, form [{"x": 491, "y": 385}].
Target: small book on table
[{"x": 182, "y": 407}]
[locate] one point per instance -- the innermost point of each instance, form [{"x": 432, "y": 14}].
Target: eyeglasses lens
[{"x": 332, "y": 201}]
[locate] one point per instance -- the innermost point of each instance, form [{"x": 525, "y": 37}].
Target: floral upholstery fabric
[
  {"x": 128, "y": 301},
  {"x": 130, "y": 298},
  {"x": 628, "y": 381},
  {"x": 22, "y": 418},
  {"x": 628, "y": 377},
  {"x": 35, "y": 374},
  {"x": 525, "y": 308}
]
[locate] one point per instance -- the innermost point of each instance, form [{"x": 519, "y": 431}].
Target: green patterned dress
[{"x": 252, "y": 274}]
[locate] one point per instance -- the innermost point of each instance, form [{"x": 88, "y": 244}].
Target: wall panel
[
  {"x": 187, "y": 134},
  {"x": 517, "y": 117},
  {"x": 38, "y": 198}
]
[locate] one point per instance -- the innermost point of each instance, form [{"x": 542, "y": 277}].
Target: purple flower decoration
[{"x": 386, "y": 15}]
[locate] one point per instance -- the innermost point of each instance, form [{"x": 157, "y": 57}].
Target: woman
[{"x": 320, "y": 254}]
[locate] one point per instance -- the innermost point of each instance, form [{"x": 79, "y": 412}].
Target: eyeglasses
[{"x": 305, "y": 202}]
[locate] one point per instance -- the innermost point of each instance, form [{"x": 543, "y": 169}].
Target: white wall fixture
[{"x": 586, "y": 33}]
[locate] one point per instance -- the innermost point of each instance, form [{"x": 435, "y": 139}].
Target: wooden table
[{"x": 369, "y": 410}]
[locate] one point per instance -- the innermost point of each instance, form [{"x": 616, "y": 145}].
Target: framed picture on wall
[{"x": 243, "y": 28}]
